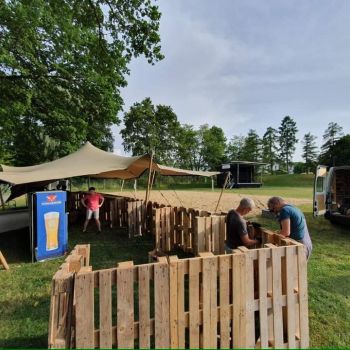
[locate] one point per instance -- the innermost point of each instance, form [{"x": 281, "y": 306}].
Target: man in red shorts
[{"x": 92, "y": 202}]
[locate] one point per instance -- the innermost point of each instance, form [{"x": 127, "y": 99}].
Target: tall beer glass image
[{"x": 51, "y": 226}]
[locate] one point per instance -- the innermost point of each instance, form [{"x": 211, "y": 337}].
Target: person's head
[
  {"x": 246, "y": 205},
  {"x": 275, "y": 204},
  {"x": 92, "y": 189}
]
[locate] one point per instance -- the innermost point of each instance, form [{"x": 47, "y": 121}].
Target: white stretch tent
[{"x": 88, "y": 161}]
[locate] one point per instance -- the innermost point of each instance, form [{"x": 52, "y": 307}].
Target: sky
[{"x": 244, "y": 65}]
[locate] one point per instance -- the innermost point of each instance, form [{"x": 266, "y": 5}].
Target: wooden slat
[
  {"x": 125, "y": 307},
  {"x": 303, "y": 297},
  {"x": 144, "y": 306},
  {"x": 105, "y": 296},
  {"x": 215, "y": 233},
  {"x": 290, "y": 275},
  {"x": 157, "y": 229},
  {"x": 222, "y": 236},
  {"x": 208, "y": 245},
  {"x": 277, "y": 297},
  {"x": 239, "y": 315},
  {"x": 194, "y": 270},
  {"x": 213, "y": 302},
  {"x": 161, "y": 301},
  {"x": 84, "y": 310},
  {"x": 181, "y": 303},
  {"x": 4, "y": 262},
  {"x": 249, "y": 295},
  {"x": 174, "y": 334},
  {"x": 263, "y": 298},
  {"x": 167, "y": 228},
  {"x": 200, "y": 234},
  {"x": 224, "y": 274}
]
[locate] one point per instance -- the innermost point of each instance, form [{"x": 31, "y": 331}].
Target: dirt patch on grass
[{"x": 206, "y": 200}]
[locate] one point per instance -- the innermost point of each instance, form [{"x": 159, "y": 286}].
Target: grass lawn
[{"x": 25, "y": 289}]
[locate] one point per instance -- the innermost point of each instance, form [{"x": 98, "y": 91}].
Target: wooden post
[
  {"x": 121, "y": 188},
  {"x": 2, "y": 200},
  {"x": 222, "y": 190},
  {"x": 212, "y": 183},
  {"x": 149, "y": 178}
]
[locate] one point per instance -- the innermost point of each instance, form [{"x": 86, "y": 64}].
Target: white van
[{"x": 332, "y": 193}]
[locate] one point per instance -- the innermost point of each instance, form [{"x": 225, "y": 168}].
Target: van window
[{"x": 319, "y": 184}]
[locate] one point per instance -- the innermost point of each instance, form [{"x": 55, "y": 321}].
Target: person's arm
[
  {"x": 83, "y": 201},
  {"x": 102, "y": 200},
  {"x": 247, "y": 241},
  {"x": 285, "y": 227}
]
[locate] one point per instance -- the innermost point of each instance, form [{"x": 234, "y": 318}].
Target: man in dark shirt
[{"x": 236, "y": 226}]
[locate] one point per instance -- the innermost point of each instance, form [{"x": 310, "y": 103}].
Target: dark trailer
[{"x": 241, "y": 174}]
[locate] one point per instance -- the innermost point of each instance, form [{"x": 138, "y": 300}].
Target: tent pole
[
  {"x": 222, "y": 190},
  {"x": 121, "y": 187},
  {"x": 212, "y": 183},
  {"x": 135, "y": 185},
  {"x": 149, "y": 178}
]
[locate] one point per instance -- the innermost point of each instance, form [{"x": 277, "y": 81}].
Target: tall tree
[
  {"x": 338, "y": 154},
  {"x": 212, "y": 142},
  {"x": 269, "y": 147},
  {"x": 151, "y": 129},
  {"x": 309, "y": 151},
  {"x": 287, "y": 140},
  {"x": 187, "y": 150},
  {"x": 251, "y": 150},
  {"x": 235, "y": 147},
  {"x": 331, "y": 135},
  {"x": 62, "y": 64}
]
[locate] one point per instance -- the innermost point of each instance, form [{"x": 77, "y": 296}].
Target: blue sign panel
[{"x": 51, "y": 224}]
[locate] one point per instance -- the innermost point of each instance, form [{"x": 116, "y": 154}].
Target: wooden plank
[
  {"x": 290, "y": 275},
  {"x": 125, "y": 307},
  {"x": 200, "y": 234},
  {"x": 105, "y": 282},
  {"x": 163, "y": 229},
  {"x": 277, "y": 297},
  {"x": 224, "y": 273},
  {"x": 194, "y": 271},
  {"x": 303, "y": 297},
  {"x": 209, "y": 285},
  {"x": 161, "y": 305},
  {"x": 208, "y": 236},
  {"x": 181, "y": 302},
  {"x": 215, "y": 234},
  {"x": 84, "y": 310},
  {"x": 144, "y": 306},
  {"x": 157, "y": 229},
  {"x": 222, "y": 236},
  {"x": 174, "y": 335},
  {"x": 263, "y": 298},
  {"x": 4, "y": 262},
  {"x": 249, "y": 296},
  {"x": 238, "y": 295},
  {"x": 269, "y": 289},
  {"x": 167, "y": 229}
]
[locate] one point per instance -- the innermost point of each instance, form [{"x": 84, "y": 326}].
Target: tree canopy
[
  {"x": 287, "y": 140},
  {"x": 62, "y": 64}
]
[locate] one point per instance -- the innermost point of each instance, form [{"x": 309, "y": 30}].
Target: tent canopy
[{"x": 90, "y": 161}]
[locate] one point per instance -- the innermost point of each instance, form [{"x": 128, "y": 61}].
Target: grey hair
[
  {"x": 247, "y": 203},
  {"x": 275, "y": 200}
]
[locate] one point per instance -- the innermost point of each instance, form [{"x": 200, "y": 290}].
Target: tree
[
  {"x": 235, "y": 147},
  {"x": 309, "y": 151},
  {"x": 287, "y": 140},
  {"x": 330, "y": 136},
  {"x": 187, "y": 150},
  {"x": 212, "y": 143},
  {"x": 338, "y": 154},
  {"x": 269, "y": 147},
  {"x": 251, "y": 149},
  {"x": 62, "y": 64},
  {"x": 151, "y": 129}
]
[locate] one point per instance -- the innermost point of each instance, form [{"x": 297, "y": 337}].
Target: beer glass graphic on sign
[{"x": 51, "y": 226}]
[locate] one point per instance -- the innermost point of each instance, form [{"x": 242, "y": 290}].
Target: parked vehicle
[{"x": 332, "y": 193}]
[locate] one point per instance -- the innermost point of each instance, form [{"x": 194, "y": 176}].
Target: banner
[{"x": 51, "y": 224}]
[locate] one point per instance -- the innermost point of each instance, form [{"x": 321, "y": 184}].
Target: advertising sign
[{"x": 51, "y": 224}]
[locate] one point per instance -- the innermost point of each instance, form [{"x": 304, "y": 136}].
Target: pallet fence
[{"x": 211, "y": 301}]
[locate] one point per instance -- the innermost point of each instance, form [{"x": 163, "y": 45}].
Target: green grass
[{"x": 25, "y": 289}]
